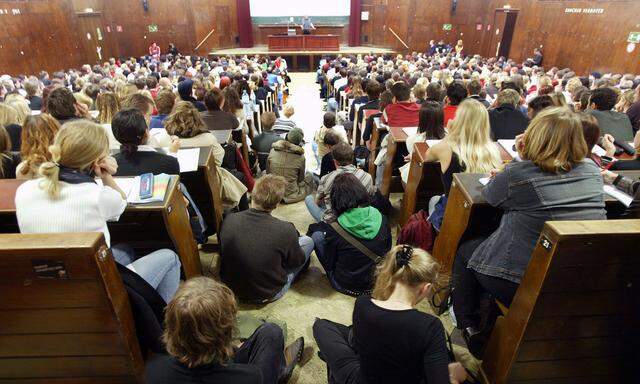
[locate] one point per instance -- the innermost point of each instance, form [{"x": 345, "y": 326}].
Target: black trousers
[
  {"x": 470, "y": 287},
  {"x": 306, "y": 31},
  {"x": 343, "y": 364},
  {"x": 265, "y": 350}
]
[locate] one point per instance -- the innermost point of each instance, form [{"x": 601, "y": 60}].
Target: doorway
[{"x": 504, "y": 23}]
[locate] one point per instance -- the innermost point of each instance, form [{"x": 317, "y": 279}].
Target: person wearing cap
[{"x": 286, "y": 159}]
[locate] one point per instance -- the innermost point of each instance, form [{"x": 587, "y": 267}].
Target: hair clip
[{"x": 403, "y": 256}]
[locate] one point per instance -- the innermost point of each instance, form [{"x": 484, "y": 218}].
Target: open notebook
[{"x": 131, "y": 187}]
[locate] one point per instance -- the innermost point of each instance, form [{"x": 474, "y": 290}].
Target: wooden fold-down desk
[{"x": 304, "y": 43}]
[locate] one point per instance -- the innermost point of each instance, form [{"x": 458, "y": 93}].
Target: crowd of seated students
[{"x": 177, "y": 102}]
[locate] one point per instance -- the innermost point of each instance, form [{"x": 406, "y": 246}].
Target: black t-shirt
[
  {"x": 163, "y": 369},
  {"x": 399, "y": 346},
  {"x": 146, "y": 162},
  {"x": 35, "y": 103},
  {"x": 15, "y": 134}
]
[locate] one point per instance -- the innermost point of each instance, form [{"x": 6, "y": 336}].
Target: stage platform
[{"x": 300, "y": 60}]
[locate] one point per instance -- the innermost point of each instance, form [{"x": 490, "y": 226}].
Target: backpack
[{"x": 418, "y": 232}]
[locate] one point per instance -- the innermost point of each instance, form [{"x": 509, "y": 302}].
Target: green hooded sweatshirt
[{"x": 363, "y": 223}]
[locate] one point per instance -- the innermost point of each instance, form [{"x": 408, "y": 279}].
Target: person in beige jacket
[
  {"x": 186, "y": 123},
  {"x": 286, "y": 159}
]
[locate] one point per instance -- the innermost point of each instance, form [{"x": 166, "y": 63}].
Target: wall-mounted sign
[
  {"x": 634, "y": 37},
  {"x": 631, "y": 47},
  {"x": 596, "y": 11},
  {"x": 119, "y": 28},
  {"x": 364, "y": 15},
  {"x": 447, "y": 27},
  {"x": 478, "y": 27},
  {"x": 153, "y": 27}
]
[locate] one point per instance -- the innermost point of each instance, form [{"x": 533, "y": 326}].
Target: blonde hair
[
  {"x": 268, "y": 192},
  {"x": 625, "y": 101},
  {"x": 8, "y": 114},
  {"x": 288, "y": 110},
  {"x": 419, "y": 269},
  {"x": 82, "y": 98},
  {"x": 108, "y": 105},
  {"x": 185, "y": 121},
  {"x": 38, "y": 133},
  {"x": 508, "y": 96},
  {"x": 22, "y": 109},
  {"x": 554, "y": 140},
  {"x": 77, "y": 145},
  {"x": 470, "y": 138},
  {"x": 200, "y": 322},
  {"x": 558, "y": 99}
]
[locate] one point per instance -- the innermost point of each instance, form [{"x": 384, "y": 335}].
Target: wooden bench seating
[
  {"x": 146, "y": 227},
  {"x": 468, "y": 213},
  {"x": 576, "y": 316},
  {"x": 74, "y": 328}
]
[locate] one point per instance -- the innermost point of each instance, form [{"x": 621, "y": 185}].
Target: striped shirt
[{"x": 324, "y": 189}]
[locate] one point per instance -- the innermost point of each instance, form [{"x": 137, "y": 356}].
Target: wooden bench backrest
[
  {"x": 576, "y": 314},
  {"x": 77, "y": 329}
]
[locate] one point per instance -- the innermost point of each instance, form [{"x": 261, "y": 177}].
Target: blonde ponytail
[
  {"x": 50, "y": 172},
  {"x": 77, "y": 145},
  {"x": 404, "y": 264}
]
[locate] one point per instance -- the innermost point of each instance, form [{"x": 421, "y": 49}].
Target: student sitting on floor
[
  {"x": 349, "y": 247},
  {"x": 327, "y": 165},
  {"x": 320, "y": 206},
  {"x": 390, "y": 341},
  {"x": 38, "y": 134},
  {"x": 287, "y": 160},
  {"x": 136, "y": 156},
  {"x": 328, "y": 125},
  {"x": 285, "y": 123},
  {"x": 263, "y": 142},
  {"x": 555, "y": 181},
  {"x": 261, "y": 256},
  {"x": 67, "y": 199},
  {"x": 200, "y": 324}
]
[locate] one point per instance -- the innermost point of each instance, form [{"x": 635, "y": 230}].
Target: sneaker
[{"x": 292, "y": 355}]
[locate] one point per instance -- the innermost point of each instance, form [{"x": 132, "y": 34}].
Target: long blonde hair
[
  {"x": 108, "y": 105},
  {"x": 8, "y": 115},
  {"x": 22, "y": 109},
  {"x": 78, "y": 145},
  {"x": 38, "y": 133},
  {"x": 470, "y": 138},
  {"x": 418, "y": 268}
]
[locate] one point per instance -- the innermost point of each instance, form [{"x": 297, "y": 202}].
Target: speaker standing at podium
[{"x": 307, "y": 25}]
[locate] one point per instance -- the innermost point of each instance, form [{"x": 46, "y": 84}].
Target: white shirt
[
  {"x": 84, "y": 207},
  {"x": 340, "y": 83}
]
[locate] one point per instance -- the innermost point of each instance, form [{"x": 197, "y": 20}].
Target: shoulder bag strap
[{"x": 353, "y": 241}]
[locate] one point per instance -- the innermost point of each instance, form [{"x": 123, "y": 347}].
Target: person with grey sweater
[
  {"x": 261, "y": 256},
  {"x": 616, "y": 124}
]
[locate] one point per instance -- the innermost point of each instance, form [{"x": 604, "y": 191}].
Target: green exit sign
[
  {"x": 447, "y": 27},
  {"x": 153, "y": 28},
  {"x": 634, "y": 37}
]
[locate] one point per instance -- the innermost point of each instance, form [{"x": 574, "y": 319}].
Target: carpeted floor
[{"x": 311, "y": 297}]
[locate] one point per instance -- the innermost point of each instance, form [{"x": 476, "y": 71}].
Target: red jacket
[
  {"x": 449, "y": 113},
  {"x": 401, "y": 114}
]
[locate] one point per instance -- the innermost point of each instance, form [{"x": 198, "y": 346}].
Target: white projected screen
[{"x": 269, "y": 8}]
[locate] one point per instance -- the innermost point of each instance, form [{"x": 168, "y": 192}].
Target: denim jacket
[{"x": 530, "y": 197}]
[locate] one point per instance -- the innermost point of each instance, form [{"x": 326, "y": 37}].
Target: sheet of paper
[
  {"x": 598, "y": 150},
  {"x": 618, "y": 195},
  {"x": 508, "y": 146},
  {"x": 484, "y": 180},
  {"x": 35, "y": 113},
  {"x": 431, "y": 143},
  {"x": 410, "y": 131},
  {"x": 188, "y": 159}
]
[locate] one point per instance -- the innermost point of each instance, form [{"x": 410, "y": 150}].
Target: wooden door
[
  {"x": 504, "y": 22},
  {"x": 373, "y": 30},
  {"x": 92, "y": 35}
]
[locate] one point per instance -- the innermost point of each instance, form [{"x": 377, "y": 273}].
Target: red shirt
[
  {"x": 402, "y": 114},
  {"x": 449, "y": 113}
]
